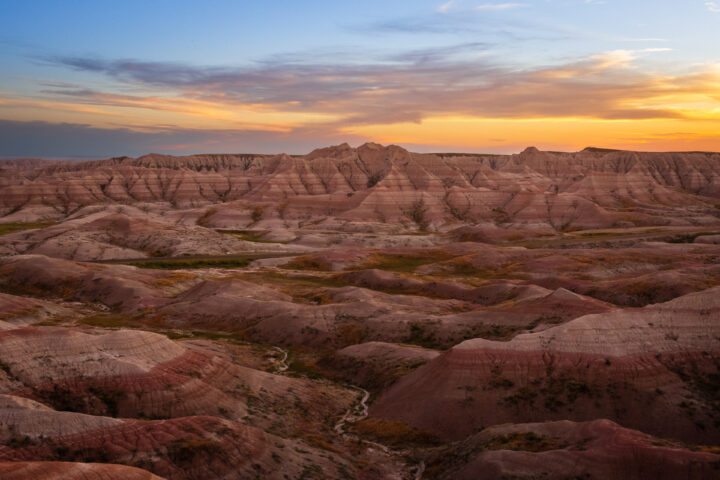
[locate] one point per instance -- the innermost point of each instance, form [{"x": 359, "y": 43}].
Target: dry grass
[
  {"x": 404, "y": 262},
  {"x": 307, "y": 262},
  {"x": 173, "y": 279},
  {"x": 12, "y": 227},
  {"x": 393, "y": 432},
  {"x": 184, "y": 263},
  {"x": 526, "y": 442}
]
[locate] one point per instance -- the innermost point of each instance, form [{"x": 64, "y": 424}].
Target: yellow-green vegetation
[
  {"x": 405, "y": 262},
  {"x": 393, "y": 432},
  {"x": 172, "y": 279},
  {"x": 12, "y": 227},
  {"x": 661, "y": 442}
]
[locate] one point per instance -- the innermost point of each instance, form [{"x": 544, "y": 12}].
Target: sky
[{"x": 101, "y": 78}]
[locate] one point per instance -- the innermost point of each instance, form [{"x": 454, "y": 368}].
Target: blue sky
[{"x": 110, "y": 78}]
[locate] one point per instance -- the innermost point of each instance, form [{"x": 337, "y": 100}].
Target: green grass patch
[{"x": 12, "y": 227}]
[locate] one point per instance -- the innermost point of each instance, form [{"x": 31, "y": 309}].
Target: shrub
[
  {"x": 185, "y": 451},
  {"x": 374, "y": 178},
  {"x": 257, "y": 213},
  {"x": 393, "y": 432},
  {"x": 418, "y": 214}
]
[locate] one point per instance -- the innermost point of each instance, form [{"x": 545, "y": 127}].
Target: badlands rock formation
[
  {"x": 543, "y": 191},
  {"x": 365, "y": 313},
  {"x": 597, "y": 449},
  {"x": 649, "y": 369},
  {"x": 71, "y": 471}
]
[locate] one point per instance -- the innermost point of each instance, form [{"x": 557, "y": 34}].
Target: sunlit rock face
[{"x": 374, "y": 183}]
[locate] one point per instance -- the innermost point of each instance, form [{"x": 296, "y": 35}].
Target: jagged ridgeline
[{"x": 592, "y": 188}]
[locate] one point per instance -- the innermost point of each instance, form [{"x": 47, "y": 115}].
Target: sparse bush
[
  {"x": 185, "y": 451},
  {"x": 351, "y": 334},
  {"x": 374, "y": 178},
  {"x": 307, "y": 262},
  {"x": 418, "y": 214},
  {"x": 393, "y": 432},
  {"x": 527, "y": 442},
  {"x": 12, "y": 227},
  {"x": 257, "y": 213}
]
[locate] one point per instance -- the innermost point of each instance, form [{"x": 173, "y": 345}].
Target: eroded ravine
[{"x": 359, "y": 410}]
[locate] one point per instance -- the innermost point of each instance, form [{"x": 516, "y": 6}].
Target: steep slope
[
  {"x": 597, "y": 449},
  {"x": 654, "y": 369},
  {"x": 373, "y": 183}
]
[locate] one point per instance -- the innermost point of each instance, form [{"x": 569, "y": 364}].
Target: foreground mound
[
  {"x": 654, "y": 369},
  {"x": 71, "y": 471},
  {"x": 597, "y": 449}
]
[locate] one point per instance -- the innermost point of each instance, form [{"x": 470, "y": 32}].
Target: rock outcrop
[{"x": 543, "y": 190}]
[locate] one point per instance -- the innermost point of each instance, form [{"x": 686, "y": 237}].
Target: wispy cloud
[
  {"x": 444, "y": 7},
  {"x": 499, "y": 6},
  {"x": 656, "y": 50},
  {"x": 713, "y": 6},
  {"x": 413, "y": 86}
]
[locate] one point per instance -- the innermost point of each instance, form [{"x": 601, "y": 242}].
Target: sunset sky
[{"x": 105, "y": 78}]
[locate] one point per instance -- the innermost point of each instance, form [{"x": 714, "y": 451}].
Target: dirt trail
[
  {"x": 359, "y": 411},
  {"x": 282, "y": 364}
]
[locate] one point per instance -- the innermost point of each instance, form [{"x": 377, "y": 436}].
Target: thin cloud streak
[
  {"x": 45, "y": 139},
  {"x": 412, "y": 87},
  {"x": 499, "y": 6}
]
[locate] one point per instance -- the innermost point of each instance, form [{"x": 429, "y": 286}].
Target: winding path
[
  {"x": 358, "y": 411},
  {"x": 282, "y": 364}
]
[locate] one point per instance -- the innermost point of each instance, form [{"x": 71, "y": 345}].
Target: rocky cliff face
[{"x": 559, "y": 191}]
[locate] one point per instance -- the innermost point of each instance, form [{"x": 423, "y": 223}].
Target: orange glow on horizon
[
  {"x": 550, "y": 133},
  {"x": 672, "y": 113}
]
